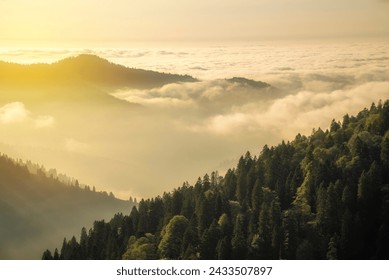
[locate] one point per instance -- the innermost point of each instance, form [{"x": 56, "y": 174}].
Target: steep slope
[
  {"x": 36, "y": 209},
  {"x": 325, "y": 196}
]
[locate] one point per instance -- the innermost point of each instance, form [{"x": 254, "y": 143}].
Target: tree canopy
[{"x": 323, "y": 196}]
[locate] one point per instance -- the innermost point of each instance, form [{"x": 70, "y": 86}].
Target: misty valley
[{"x": 295, "y": 168}]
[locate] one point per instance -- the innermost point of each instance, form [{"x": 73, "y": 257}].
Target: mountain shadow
[{"x": 37, "y": 209}]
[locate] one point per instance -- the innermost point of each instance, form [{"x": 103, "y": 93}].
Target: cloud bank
[
  {"x": 182, "y": 131},
  {"x": 13, "y": 113},
  {"x": 207, "y": 97},
  {"x": 299, "y": 112},
  {"x": 16, "y": 112},
  {"x": 221, "y": 107}
]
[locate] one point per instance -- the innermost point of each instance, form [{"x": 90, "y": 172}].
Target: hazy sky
[
  {"x": 200, "y": 127},
  {"x": 125, "y": 20}
]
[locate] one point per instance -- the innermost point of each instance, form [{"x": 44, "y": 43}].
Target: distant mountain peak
[
  {"x": 84, "y": 58},
  {"x": 248, "y": 82},
  {"x": 88, "y": 68}
]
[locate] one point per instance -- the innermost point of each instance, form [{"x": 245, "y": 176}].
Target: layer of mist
[
  {"x": 143, "y": 140},
  {"x": 38, "y": 209}
]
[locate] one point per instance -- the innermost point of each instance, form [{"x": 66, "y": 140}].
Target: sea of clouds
[
  {"x": 314, "y": 83},
  {"x": 188, "y": 129}
]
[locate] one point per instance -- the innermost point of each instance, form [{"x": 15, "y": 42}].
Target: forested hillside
[
  {"x": 38, "y": 207},
  {"x": 323, "y": 196},
  {"x": 85, "y": 68}
]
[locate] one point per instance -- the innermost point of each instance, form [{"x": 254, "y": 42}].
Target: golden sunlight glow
[
  {"x": 47, "y": 21},
  {"x": 104, "y": 101}
]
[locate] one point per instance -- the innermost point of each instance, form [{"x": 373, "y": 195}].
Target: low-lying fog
[{"x": 182, "y": 131}]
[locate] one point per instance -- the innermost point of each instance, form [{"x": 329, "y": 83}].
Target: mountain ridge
[
  {"x": 94, "y": 68},
  {"x": 89, "y": 68},
  {"x": 323, "y": 196},
  {"x": 34, "y": 207}
]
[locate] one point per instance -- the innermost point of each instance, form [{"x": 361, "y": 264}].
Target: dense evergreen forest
[
  {"x": 38, "y": 206},
  {"x": 325, "y": 196}
]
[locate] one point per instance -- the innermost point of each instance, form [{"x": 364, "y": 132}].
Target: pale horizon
[{"x": 72, "y": 22}]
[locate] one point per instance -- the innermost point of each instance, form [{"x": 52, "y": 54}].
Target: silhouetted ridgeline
[
  {"x": 325, "y": 196},
  {"x": 248, "y": 82},
  {"x": 37, "y": 209},
  {"x": 85, "y": 68}
]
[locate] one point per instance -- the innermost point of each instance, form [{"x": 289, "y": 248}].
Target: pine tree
[
  {"x": 239, "y": 239},
  {"x": 332, "y": 253},
  {"x": 47, "y": 255},
  {"x": 171, "y": 238},
  {"x": 84, "y": 243}
]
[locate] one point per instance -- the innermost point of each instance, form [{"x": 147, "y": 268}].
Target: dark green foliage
[
  {"x": 319, "y": 197},
  {"x": 143, "y": 248},
  {"x": 305, "y": 251},
  {"x": 266, "y": 242},
  {"x": 172, "y": 235},
  {"x": 47, "y": 255},
  {"x": 332, "y": 253},
  {"x": 289, "y": 235},
  {"x": 239, "y": 239},
  {"x": 209, "y": 241}
]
